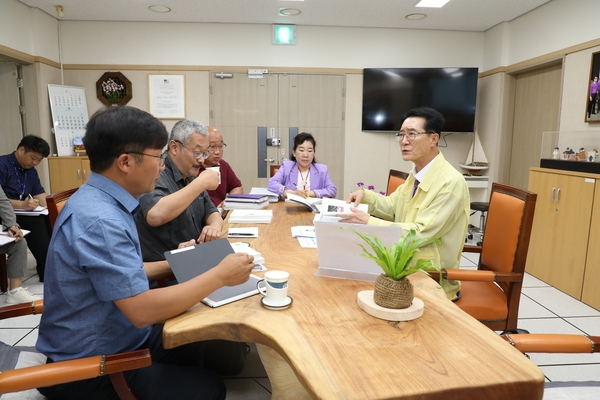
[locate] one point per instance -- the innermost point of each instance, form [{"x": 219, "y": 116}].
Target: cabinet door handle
[
  {"x": 78, "y": 174},
  {"x": 85, "y": 175},
  {"x": 552, "y": 194},
  {"x": 558, "y": 195}
]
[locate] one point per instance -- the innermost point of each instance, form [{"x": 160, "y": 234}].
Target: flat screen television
[{"x": 388, "y": 93}]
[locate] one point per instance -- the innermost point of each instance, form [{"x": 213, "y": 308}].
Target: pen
[
  {"x": 29, "y": 197},
  {"x": 241, "y": 234}
]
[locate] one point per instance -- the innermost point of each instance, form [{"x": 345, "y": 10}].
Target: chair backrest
[
  {"x": 506, "y": 240},
  {"x": 273, "y": 170},
  {"x": 55, "y": 202},
  {"x": 395, "y": 179}
]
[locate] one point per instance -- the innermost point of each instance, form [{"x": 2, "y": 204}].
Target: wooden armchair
[
  {"x": 491, "y": 294},
  {"x": 55, "y": 202},
  {"x": 273, "y": 170},
  {"x": 16, "y": 380},
  {"x": 395, "y": 179}
]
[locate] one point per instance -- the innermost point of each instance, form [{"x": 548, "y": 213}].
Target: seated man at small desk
[
  {"x": 21, "y": 184},
  {"x": 434, "y": 200},
  {"x": 230, "y": 183}
]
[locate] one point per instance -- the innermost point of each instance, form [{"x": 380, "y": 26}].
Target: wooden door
[
  {"x": 537, "y": 102},
  {"x": 278, "y": 102},
  {"x": 10, "y": 117}
]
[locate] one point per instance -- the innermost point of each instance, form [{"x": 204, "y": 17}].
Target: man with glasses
[
  {"x": 230, "y": 183},
  {"x": 96, "y": 296},
  {"x": 434, "y": 200},
  {"x": 21, "y": 184},
  {"x": 179, "y": 210}
]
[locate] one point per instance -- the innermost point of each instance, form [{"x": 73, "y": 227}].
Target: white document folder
[{"x": 338, "y": 249}]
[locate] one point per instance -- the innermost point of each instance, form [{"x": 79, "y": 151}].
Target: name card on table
[{"x": 338, "y": 249}]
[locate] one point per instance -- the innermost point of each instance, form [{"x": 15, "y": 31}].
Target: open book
[{"x": 309, "y": 202}]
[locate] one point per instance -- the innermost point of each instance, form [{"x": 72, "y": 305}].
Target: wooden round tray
[{"x": 366, "y": 303}]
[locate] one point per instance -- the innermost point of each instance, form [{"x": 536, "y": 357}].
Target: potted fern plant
[{"x": 392, "y": 288}]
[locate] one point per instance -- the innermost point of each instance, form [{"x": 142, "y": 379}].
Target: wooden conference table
[{"x": 325, "y": 347}]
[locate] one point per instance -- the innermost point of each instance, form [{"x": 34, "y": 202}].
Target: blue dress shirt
[{"x": 94, "y": 258}]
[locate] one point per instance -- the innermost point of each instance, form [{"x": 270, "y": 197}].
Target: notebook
[{"x": 189, "y": 262}]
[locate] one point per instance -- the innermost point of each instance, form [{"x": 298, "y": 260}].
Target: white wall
[
  {"x": 250, "y": 45},
  {"x": 28, "y": 30}
]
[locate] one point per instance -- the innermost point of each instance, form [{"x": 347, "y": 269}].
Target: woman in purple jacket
[{"x": 302, "y": 176}]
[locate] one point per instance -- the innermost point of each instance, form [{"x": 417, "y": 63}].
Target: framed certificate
[{"x": 167, "y": 96}]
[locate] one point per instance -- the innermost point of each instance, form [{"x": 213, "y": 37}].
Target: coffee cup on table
[
  {"x": 217, "y": 170},
  {"x": 274, "y": 286}
]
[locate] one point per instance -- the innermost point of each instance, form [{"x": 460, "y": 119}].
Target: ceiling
[{"x": 457, "y": 15}]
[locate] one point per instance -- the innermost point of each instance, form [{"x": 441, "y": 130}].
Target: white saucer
[{"x": 283, "y": 306}]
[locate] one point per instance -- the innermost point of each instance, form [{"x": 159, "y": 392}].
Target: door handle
[
  {"x": 558, "y": 195},
  {"x": 271, "y": 160},
  {"x": 552, "y": 193},
  {"x": 78, "y": 174}
]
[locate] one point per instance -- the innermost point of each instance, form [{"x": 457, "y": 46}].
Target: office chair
[
  {"x": 482, "y": 207},
  {"x": 55, "y": 202},
  {"x": 560, "y": 343},
  {"x": 491, "y": 294},
  {"x": 273, "y": 170},
  {"x": 395, "y": 179},
  {"x": 32, "y": 377}
]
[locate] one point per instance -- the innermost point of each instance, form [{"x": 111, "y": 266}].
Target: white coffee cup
[
  {"x": 217, "y": 170},
  {"x": 275, "y": 288}
]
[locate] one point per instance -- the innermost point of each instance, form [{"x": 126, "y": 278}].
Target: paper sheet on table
[
  {"x": 39, "y": 210},
  {"x": 307, "y": 242},
  {"x": 338, "y": 249},
  {"x": 303, "y": 231},
  {"x": 5, "y": 239}
]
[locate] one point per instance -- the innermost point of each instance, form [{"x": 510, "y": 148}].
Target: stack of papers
[
  {"x": 273, "y": 197},
  {"x": 250, "y": 216},
  {"x": 246, "y": 201},
  {"x": 259, "y": 260}
]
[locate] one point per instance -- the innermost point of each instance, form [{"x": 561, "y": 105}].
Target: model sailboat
[{"x": 476, "y": 160}]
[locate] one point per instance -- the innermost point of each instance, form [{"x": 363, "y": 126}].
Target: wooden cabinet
[
  {"x": 560, "y": 237},
  {"x": 68, "y": 172}
]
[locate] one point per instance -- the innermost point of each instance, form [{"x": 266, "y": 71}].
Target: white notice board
[{"x": 69, "y": 116}]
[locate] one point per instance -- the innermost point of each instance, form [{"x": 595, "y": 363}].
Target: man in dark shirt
[
  {"x": 230, "y": 183},
  {"x": 21, "y": 184},
  {"x": 179, "y": 208}
]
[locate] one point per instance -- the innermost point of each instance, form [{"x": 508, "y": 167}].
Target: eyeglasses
[
  {"x": 410, "y": 136},
  {"x": 213, "y": 148},
  {"x": 162, "y": 157},
  {"x": 197, "y": 154}
]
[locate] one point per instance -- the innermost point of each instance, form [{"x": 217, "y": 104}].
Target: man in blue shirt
[
  {"x": 21, "y": 184},
  {"x": 96, "y": 295}
]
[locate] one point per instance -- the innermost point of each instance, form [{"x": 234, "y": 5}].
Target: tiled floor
[{"x": 543, "y": 309}]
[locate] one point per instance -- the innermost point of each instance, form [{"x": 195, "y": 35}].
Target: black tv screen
[{"x": 388, "y": 93}]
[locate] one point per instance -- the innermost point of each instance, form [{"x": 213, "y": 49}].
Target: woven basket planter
[{"x": 389, "y": 293}]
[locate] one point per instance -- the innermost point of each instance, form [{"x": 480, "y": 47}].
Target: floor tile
[
  {"x": 532, "y": 281},
  {"x": 245, "y": 389},
  {"x": 531, "y": 309},
  {"x": 560, "y": 303},
  {"x": 14, "y": 336},
  {"x": 572, "y": 373},
  {"x": 26, "y": 321},
  {"x": 471, "y": 257},
  {"x": 589, "y": 325}
]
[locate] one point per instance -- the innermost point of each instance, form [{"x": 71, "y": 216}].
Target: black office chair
[{"x": 482, "y": 207}]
